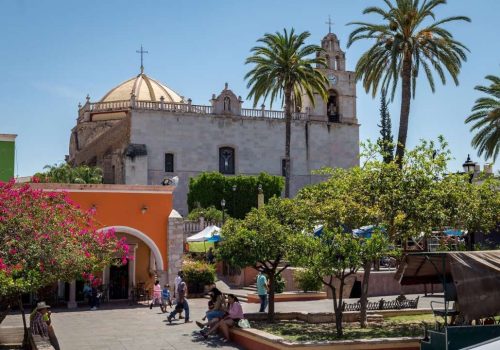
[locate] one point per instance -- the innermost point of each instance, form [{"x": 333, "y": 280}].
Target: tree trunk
[
  {"x": 21, "y": 307},
  {"x": 405, "y": 108},
  {"x": 288, "y": 133},
  {"x": 367, "y": 267},
  {"x": 270, "y": 310}
]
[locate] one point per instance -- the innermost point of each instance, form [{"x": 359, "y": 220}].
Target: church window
[
  {"x": 332, "y": 109},
  {"x": 169, "y": 162},
  {"x": 327, "y": 58},
  {"x": 337, "y": 62},
  {"x": 227, "y": 104},
  {"x": 226, "y": 160}
]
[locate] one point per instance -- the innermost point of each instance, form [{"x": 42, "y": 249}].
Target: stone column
[
  {"x": 72, "y": 295},
  {"x": 175, "y": 245}
]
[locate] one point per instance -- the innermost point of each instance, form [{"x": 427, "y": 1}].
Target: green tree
[
  {"x": 263, "y": 240},
  {"x": 332, "y": 256},
  {"x": 386, "y": 140},
  {"x": 486, "y": 119},
  {"x": 405, "y": 42},
  {"x": 65, "y": 173},
  {"x": 282, "y": 69}
]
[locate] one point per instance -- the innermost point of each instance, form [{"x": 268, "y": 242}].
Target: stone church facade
[{"x": 142, "y": 131}]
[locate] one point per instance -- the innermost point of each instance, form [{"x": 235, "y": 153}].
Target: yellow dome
[{"x": 144, "y": 88}]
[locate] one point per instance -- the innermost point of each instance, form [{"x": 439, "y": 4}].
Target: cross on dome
[{"x": 142, "y": 52}]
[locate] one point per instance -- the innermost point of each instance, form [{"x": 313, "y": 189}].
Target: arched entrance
[{"x": 145, "y": 263}]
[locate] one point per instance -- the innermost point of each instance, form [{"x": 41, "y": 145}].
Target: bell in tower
[{"x": 340, "y": 104}]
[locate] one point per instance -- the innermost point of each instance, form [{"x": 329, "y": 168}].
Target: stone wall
[{"x": 258, "y": 142}]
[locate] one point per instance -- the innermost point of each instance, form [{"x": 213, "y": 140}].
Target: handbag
[{"x": 243, "y": 323}]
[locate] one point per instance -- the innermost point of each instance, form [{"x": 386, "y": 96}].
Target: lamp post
[
  {"x": 469, "y": 166},
  {"x": 223, "y": 205},
  {"x": 234, "y": 200}
]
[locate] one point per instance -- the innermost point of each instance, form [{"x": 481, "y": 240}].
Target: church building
[{"x": 142, "y": 131}]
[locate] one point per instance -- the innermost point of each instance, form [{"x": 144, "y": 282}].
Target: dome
[{"x": 144, "y": 88}]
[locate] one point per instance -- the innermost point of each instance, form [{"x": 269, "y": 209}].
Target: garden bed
[{"x": 392, "y": 327}]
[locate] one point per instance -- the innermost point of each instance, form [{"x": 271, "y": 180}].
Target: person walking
[
  {"x": 262, "y": 290},
  {"x": 178, "y": 280},
  {"x": 156, "y": 295},
  {"x": 182, "y": 293}
]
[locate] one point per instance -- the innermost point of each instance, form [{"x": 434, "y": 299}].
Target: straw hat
[{"x": 42, "y": 305}]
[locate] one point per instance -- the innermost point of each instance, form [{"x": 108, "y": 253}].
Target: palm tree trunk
[
  {"x": 288, "y": 133},
  {"x": 405, "y": 109}
]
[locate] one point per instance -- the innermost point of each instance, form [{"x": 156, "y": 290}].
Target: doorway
[{"x": 118, "y": 282}]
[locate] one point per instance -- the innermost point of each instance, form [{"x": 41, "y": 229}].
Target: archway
[{"x": 143, "y": 237}]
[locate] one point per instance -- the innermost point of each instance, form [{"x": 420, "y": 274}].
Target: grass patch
[
  {"x": 428, "y": 318},
  {"x": 400, "y": 326}
]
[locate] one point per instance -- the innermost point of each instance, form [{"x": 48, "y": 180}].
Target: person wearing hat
[{"x": 41, "y": 324}]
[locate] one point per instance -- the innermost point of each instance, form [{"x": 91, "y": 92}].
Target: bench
[{"x": 382, "y": 304}]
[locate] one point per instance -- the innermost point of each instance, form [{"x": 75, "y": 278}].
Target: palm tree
[
  {"x": 283, "y": 70},
  {"x": 409, "y": 38},
  {"x": 486, "y": 117}
]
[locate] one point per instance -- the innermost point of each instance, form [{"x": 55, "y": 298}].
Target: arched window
[
  {"x": 227, "y": 104},
  {"x": 332, "y": 109},
  {"x": 337, "y": 62},
  {"x": 327, "y": 58},
  {"x": 226, "y": 160}
]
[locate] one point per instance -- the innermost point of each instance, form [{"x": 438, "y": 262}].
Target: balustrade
[{"x": 181, "y": 108}]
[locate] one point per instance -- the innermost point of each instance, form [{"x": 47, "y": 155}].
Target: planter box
[
  {"x": 257, "y": 339},
  {"x": 290, "y": 296}
]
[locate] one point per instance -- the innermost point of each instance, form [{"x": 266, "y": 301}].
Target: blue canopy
[
  {"x": 367, "y": 231},
  {"x": 453, "y": 232},
  {"x": 214, "y": 239}
]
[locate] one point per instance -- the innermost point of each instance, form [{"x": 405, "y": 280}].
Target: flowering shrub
[
  {"x": 197, "y": 274},
  {"x": 45, "y": 237}
]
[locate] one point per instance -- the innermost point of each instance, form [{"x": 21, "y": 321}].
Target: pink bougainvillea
[{"x": 45, "y": 237}]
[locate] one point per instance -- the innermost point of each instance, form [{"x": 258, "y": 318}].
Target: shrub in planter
[
  {"x": 198, "y": 274},
  {"x": 307, "y": 281},
  {"x": 279, "y": 284}
]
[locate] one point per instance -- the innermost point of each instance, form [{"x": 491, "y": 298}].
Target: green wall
[{"x": 7, "y": 152}]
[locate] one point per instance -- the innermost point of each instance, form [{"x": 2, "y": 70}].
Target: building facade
[
  {"x": 142, "y": 131},
  {"x": 7, "y": 156}
]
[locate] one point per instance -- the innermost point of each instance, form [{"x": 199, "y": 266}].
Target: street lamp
[
  {"x": 234, "y": 198},
  {"x": 223, "y": 204},
  {"x": 469, "y": 166}
]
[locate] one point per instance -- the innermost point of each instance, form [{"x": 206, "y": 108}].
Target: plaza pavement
[{"x": 122, "y": 327}]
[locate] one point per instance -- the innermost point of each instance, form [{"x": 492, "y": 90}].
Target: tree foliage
[
  {"x": 263, "y": 240},
  {"x": 65, "y": 173},
  {"x": 416, "y": 199},
  {"x": 486, "y": 119},
  {"x": 408, "y": 40},
  {"x": 386, "y": 140},
  {"x": 284, "y": 69},
  {"x": 332, "y": 256},
  {"x": 44, "y": 238},
  {"x": 209, "y": 188}
]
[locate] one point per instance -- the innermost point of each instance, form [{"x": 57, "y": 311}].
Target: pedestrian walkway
[{"x": 123, "y": 327}]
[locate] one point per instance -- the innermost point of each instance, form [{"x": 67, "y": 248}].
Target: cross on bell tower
[
  {"x": 142, "y": 52},
  {"x": 329, "y": 24}
]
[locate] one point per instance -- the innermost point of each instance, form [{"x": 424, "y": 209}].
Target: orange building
[{"x": 142, "y": 214}]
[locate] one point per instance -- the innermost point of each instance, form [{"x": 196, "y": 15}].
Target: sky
[{"x": 54, "y": 53}]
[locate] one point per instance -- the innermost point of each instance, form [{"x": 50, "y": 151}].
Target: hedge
[
  {"x": 209, "y": 188},
  {"x": 307, "y": 281}
]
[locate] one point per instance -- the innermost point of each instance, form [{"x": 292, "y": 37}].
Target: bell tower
[{"x": 340, "y": 106}]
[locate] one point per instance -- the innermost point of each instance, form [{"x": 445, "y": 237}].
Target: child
[
  {"x": 211, "y": 305},
  {"x": 165, "y": 298},
  {"x": 156, "y": 294}
]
